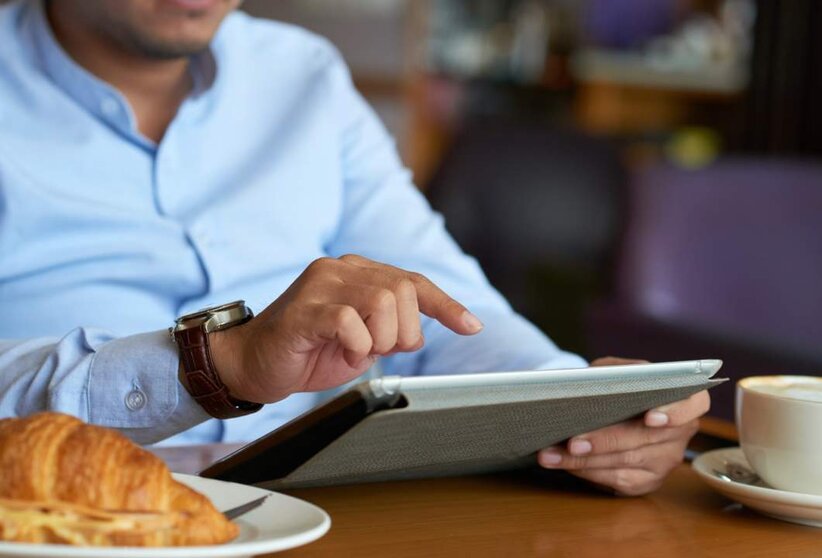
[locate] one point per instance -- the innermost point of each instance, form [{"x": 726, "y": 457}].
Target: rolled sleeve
[
  {"x": 128, "y": 383},
  {"x": 133, "y": 386}
]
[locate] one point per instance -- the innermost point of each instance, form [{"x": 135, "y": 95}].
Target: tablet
[{"x": 398, "y": 427}]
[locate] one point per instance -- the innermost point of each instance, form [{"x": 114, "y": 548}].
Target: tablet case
[{"x": 458, "y": 431}]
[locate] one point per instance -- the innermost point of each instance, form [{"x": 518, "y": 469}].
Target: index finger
[{"x": 433, "y": 301}]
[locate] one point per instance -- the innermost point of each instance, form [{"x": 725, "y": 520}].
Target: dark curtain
[{"x": 784, "y": 105}]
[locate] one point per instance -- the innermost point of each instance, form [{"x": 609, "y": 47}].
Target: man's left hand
[{"x": 632, "y": 457}]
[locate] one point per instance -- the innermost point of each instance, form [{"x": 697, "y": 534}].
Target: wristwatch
[{"x": 200, "y": 377}]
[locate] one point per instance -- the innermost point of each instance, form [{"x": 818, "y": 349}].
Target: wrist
[
  {"x": 216, "y": 391},
  {"x": 226, "y": 354}
]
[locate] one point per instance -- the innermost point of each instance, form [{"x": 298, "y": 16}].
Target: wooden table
[{"x": 536, "y": 513}]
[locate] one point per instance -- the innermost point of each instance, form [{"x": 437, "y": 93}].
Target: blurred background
[{"x": 640, "y": 178}]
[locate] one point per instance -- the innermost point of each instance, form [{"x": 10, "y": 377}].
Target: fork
[{"x": 242, "y": 509}]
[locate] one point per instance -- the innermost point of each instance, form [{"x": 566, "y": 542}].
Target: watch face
[
  {"x": 217, "y": 308},
  {"x": 216, "y": 317}
]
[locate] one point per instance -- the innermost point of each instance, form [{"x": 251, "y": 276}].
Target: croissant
[{"x": 67, "y": 482}]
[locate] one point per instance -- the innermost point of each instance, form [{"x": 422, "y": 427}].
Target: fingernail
[
  {"x": 550, "y": 458},
  {"x": 579, "y": 447},
  {"x": 471, "y": 322},
  {"x": 656, "y": 418}
]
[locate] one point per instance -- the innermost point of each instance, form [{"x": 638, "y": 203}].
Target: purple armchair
[{"x": 720, "y": 262}]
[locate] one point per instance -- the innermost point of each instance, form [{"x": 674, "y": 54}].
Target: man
[{"x": 160, "y": 155}]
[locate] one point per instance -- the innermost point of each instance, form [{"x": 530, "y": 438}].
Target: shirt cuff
[{"x": 134, "y": 387}]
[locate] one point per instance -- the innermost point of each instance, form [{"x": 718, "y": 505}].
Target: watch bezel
[{"x": 215, "y": 318}]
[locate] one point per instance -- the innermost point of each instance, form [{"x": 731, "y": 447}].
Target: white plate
[
  {"x": 795, "y": 507},
  {"x": 281, "y": 522}
]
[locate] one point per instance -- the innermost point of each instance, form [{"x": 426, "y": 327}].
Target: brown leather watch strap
[{"x": 201, "y": 378}]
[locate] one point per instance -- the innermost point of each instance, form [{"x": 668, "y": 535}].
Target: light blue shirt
[{"x": 273, "y": 161}]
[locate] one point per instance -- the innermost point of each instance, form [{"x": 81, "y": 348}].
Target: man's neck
[{"x": 154, "y": 88}]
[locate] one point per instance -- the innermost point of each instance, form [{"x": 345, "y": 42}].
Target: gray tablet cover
[{"x": 458, "y": 431}]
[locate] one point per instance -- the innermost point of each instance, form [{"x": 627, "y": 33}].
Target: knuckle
[
  {"x": 453, "y": 306},
  {"x": 345, "y": 317},
  {"x": 624, "y": 482},
  {"x": 415, "y": 341},
  {"x": 409, "y": 341},
  {"x": 381, "y": 345},
  {"x": 405, "y": 287},
  {"x": 630, "y": 483},
  {"x": 609, "y": 442},
  {"x": 320, "y": 266},
  {"x": 382, "y": 299},
  {"x": 418, "y": 278},
  {"x": 634, "y": 459}
]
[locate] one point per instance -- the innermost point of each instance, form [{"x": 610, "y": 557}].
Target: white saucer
[
  {"x": 795, "y": 507},
  {"x": 281, "y": 522}
]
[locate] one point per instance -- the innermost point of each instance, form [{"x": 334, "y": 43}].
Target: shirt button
[
  {"x": 135, "y": 400},
  {"x": 109, "y": 106}
]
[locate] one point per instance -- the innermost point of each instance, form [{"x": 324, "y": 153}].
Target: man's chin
[
  {"x": 194, "y": 7},
  {"x": 174, "y": 33},
  {"x": 170, "y": 51},
  {"x": 159, "y": 47}
]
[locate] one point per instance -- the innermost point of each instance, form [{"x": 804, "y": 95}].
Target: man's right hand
[{"x": 329, "y": 326}]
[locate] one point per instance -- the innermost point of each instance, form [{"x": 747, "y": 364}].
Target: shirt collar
[{"x": 95, "y": 95}]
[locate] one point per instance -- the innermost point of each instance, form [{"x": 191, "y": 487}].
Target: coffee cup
[{"x": 779, "y": 419}]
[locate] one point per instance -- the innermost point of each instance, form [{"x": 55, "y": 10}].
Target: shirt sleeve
[
  {"x": 127, "y": 383},
  {"x": 387, "y": 219}
]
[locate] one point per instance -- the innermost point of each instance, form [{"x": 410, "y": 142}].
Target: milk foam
[{"x": 806, "y": 391}]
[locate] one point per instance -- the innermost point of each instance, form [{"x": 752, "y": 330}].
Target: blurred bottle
[
  {"x": 529, "y": 48},
  {"x": 693, "y": 147}
]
